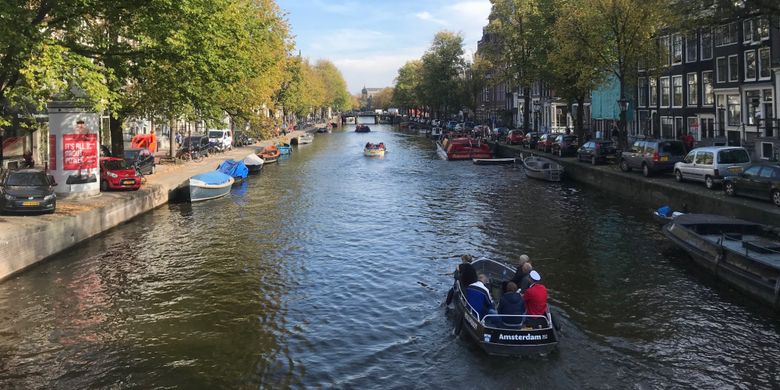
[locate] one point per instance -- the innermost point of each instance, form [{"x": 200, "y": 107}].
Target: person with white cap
[
  {"x": 521, "y": 275},
  {"x": 535, "y": 296}
]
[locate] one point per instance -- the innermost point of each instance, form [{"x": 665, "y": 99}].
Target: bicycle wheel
[{"x": 196, "y": 156}]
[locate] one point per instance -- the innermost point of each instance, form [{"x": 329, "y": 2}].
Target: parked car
[
  {"x": 498, "y": 132},
  {"x": 515, "y": 137},
  {"x": 27, "y": 190},
  {"x": 598, "y": 151},
  {"x": 757, "y": 181},
  {"x": 531, "y": 139},
  {"x": 545, "y": 142},
  {"x": 565, "y": 145},
  {"x": 711, "y": 164},
  {"x": 141, "y": 159},
  {"x": 196, "y": 142},
  {"x": 652, "y": 155},
  {"x": 451, "y": 125},
  {"x": 117, "y": 174},
  {"x": 223, "y": 137}
]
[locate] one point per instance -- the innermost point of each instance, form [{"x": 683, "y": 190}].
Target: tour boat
[
  {"x": 254, "y": 163},
  {"x": 374, "y": 150},
  {"x": 542, "y": 168},
  {"x": 236, "y": 169},
  {"x": 209, "y": 185},
  {"x": 491, "y": 333},
  {"x": 362, "y": 129},
  {"x": 493, "y": 161},
  {"x": 741, "y": 253},
  {"x": 463, "y": 149},
  {"x": 270, "y": 154}
]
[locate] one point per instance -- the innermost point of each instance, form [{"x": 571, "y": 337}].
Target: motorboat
[
  {"x": 323, "y": 130},
  {"x": 306, "y": 138},
  {"x": 436, "y": 133},
  {"x": 664, "y": 215},
  {"x": 491, "y": 333},
  {"x": 362, "y": 128},
  {"x": 253, "y": 163},
  {"x": 209, "y": 185},
  {"x": 542, "y": 168},
  {"x": 284, "y": 148},
  {"x": 494, "y": 161},
  {"x": 463, "y": 149},
  {"x": 374, "y": 150},
  {"x": 270, "y": 154},
  {"x": 741, "y": 253},
  {"x": 236, "y": 169}
]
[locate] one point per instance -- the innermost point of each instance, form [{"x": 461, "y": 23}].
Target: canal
[{"x": 329, "y": 269}]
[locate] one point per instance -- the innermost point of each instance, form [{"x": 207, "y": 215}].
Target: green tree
[
  {"x": 336, "y": 94},
  {"x": 442, "y": 73},
  {"x": 407, "y": 84}
]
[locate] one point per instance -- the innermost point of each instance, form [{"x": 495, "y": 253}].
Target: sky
[{"x": 369, "y": 40}]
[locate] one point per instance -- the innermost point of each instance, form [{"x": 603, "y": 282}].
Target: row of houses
[{"x": 720, "y": 86}]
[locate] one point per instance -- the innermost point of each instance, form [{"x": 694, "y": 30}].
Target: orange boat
[
  {"x": 269, "y": 154},
  {"x": 463, "y": 149}
]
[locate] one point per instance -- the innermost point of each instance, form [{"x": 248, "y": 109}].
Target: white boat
[
  {"x": 542, "y": 168},
  {"x": 209, "y": 185},
  {"x": 436, "y": 133},
  {"x": 254, "y": 163},
  {"x": 374, "y": 150},
  {"x": 306, "y": 138}
]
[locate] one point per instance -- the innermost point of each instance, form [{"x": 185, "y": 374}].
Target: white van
[
  {"x": 711, "y": 164},
  {"x": 222, "y": 137}
]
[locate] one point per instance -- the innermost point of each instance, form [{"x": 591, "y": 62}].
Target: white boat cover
[{"x": 253, "y": 159}]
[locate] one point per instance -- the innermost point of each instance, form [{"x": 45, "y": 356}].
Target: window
[
  {"x": 704, "y": 158},
  {"x": 677, "y": 50},
  {"x": 677, "y": 85},
  {"x": 689, "y": 158},
  {"x": 667, "y": 127},
  {"x": 750, "y": 65},
  {"x": 752, "y": 102},
  {"x": 721, "y": 69},
  {"x": 693, "y": 127},
  {"x": 706, "y": 44},
  {"x": 753, "y": 171},
  {"x": 764, "y": 66},
  {"x": 708, "y": 97},
  {"x": 665, "y": 51},
  {"x": 678, "y": 127},
  {"x": 691, "y": 48},
  {"x": 747, "y": 31},
  {"x": 726, "y": 34},
  {"x": 693, "y": 90},
  {"x": 653, "y": 92},
  {"x": 733, "y": 110},
  {"x": 642, "y": 92},
  {"x": 733, "y": 156},
  {"x": 762, "y": 28},
  {"x": 665, "y": 92},
  {"x": 733, "y": 68},
  {"x": 767, "y": 172}
]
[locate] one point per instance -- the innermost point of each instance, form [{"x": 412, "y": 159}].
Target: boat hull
[
  {"x": 255, "y": 168},
  {"x": 542, "y": 169},
  {"x": 374, "y": 152},
  {"x": 200, "y": 192},
  {"x": 462, "y": 152},
  {"x": 493, "y": 161}
]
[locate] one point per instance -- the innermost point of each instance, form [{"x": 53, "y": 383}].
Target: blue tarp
[
  {"x": 213, "y": 177},
  {"x": 234, "y": 168}
]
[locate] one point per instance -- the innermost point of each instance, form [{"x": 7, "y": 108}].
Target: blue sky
[{"x": 369, "y": 40}]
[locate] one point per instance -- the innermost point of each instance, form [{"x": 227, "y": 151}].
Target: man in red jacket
[{"x": 535, "y": 296}]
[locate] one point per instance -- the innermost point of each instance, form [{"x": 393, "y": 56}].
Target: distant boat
[
  {"x": 374, "y": 150},
  {"x": 493, "y": 161},
  {"x": 236, "y": 169},
  {"x": 254, "y": 163},
  {"x": 542, "y": 168},
  {"x": 306, "y": 138},
  {"x": 209, "y": 185},
  {"x": 270, "y": 154},
  {"x": 362, "y": 129}
]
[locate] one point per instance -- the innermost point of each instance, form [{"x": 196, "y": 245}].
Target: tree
[
  {"x": 407, "y": 84},
  {"x": 336, "y": 94},
  {"x": 383, "y": 99},
  {"x": 476, "y": 79},
  {"x": 442, "y": 73}
]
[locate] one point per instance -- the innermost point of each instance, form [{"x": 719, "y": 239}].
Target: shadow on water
[{"x": 329, "y": 269}]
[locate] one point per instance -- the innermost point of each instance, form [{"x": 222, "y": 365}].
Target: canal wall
[
  {"x": 659, "y": 190},
  {"x": 27, "y": 240}
]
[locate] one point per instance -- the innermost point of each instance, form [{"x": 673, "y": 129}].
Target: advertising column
[{"x": 74, "y": 149}]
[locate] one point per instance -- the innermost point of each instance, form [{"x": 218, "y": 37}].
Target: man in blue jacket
[
  {"x": 478, "y": 297},
  {"x": 511, "y": 303}
]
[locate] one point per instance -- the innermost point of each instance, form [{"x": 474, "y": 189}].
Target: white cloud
[
  {"x": 374, "y": 71},
  {"x": 428, "y": 17}
]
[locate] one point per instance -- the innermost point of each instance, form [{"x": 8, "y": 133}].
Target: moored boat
[
  {"x": 284, "y": 148},
  {"x": 542, "y": 168},
  {"x": 436, "y": 133},
  {"x": 463, "y": 149},
  {"x": 362, "y": 128},
  {"x": 493, "y": 161},
  {"x": 236, "y": 169},
  {"x": 741, "y": 253},
  {"x": 306, "y": 138},
  {"x": 270, "y": 154},
  {"x": 209, "y": 185},
  {"x": 374, "y": 150},
  {"x": 254, "y": 163},
  {"x": 491, "y": 333}
]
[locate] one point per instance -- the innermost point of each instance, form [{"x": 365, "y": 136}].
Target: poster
[
  {"x": 79, "y": 152},
  {"x": 53, "y": 152}
]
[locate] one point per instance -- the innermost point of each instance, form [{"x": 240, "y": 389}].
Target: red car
[
  {"x": 546, "y": 142},
  {"x": 116, "y": 174},
  {"x": 515, "y": 137}
]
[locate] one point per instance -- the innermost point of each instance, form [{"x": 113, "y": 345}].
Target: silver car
[{"x": 711, "y": 164}]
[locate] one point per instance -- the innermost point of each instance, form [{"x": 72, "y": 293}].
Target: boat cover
[
  {"x": 253, "y": 159},
  {"x": 234, "y": 168},
  {"x": 213, "y": 178},
  {"x": 707, "y": 219}
]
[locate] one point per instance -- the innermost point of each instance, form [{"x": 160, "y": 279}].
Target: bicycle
[{"x": 186, "y": 155}]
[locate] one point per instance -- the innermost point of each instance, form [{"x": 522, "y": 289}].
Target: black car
[
  {"x": 600, "y": 151},
  {"x": 27, "y": 190},
  {"x": 531, "y": 139},
  {"x": 565, "y": 145},
  {"x": 141, "y": 159},
  {"x": 758, "y": 181}
]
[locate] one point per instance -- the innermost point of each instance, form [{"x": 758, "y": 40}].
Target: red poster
[
  {"x": 79, "y": 151},
  {"x": 53, "y": 152}
]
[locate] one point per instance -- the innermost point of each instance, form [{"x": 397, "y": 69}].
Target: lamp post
[
  {"x": 721, "y": 121},
  {"x": 623, "y": 105},
  {"x": 537, "y": 104}
]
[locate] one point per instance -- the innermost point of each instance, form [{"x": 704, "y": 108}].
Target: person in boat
[
  {"x": 368, "y": 145},
  {"x": 664, "y": 211},
  {"x": 522, "y": 278},
  {"x": 478, "y": 297},
  {"x": 535, "y": 297},
  {"x": 465, "y": 259},
  {"x": 511, "y": 304}
]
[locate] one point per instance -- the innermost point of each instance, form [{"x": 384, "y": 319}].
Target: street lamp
[
  {"x": 722, "y": 120},
  {"x": 537, "y": 104},
  {"x": 623, "y": 105}
]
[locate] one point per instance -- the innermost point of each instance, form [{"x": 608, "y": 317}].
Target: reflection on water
[{"x": 330, "y": 268}]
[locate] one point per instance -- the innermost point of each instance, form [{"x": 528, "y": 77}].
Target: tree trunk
[
  {"x": 117, "y": 139},
  {"x": 172, "y": 136},
  {"x": 579, "y": 129},
  {"x": 526, "y": 109}
]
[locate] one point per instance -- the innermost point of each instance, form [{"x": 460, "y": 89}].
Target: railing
[{"x": 492, "y": 319}]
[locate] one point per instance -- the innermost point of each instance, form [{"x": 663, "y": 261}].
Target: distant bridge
[{"x": 378, "y": 118}]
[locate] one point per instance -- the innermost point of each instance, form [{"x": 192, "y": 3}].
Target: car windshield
[
  {"x": 215, "y": 134},
  {"x": 131, "y": 154},
  {"x": 26, "y": 179},
  {"x": 116, "y": 165},
  {"x": 674, "y": 148},
  {"x": 733, "y": 156}
]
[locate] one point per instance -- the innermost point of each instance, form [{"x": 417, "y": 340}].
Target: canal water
[{"x": 329, "y": 269}]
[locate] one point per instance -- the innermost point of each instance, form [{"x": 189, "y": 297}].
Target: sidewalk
[{"x": 26, "y": 240}]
